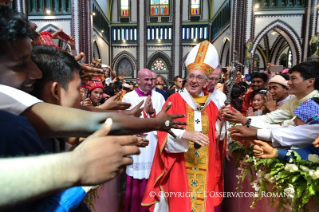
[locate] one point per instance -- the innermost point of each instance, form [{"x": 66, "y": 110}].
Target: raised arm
[
  {"x": 95, "y": 161},
  {"x": 56, "y": 121}
]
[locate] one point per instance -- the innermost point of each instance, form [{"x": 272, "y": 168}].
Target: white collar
[
  {"x": 192, "y": 103},
  {"x": 284, "y": 100}
]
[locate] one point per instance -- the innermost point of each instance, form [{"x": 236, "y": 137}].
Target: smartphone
[
  {"x": 87, "y": 93},
  {"x": 64, "y": 36},
  {"x": 276, "y": 69}
]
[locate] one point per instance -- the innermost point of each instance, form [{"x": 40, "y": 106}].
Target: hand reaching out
[
  {"x": 164, "y": 118},
  {"x": 113, "y": 104},
  {"x": 136, "y": 111},
  {"x": 263, "y": 150},
  {"x": 101, "y": 158},
  {"x": 235, "y": 117},
  {"x": 316, "y": 142}
]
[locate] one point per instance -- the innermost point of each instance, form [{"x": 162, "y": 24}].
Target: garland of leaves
[{"x": 291, "y": 184}]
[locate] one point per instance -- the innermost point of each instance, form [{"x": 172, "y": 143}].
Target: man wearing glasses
[{"x": 189, "y": 165}]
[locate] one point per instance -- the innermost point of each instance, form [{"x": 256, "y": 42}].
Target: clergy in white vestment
[{"x": 138, "y": 172}]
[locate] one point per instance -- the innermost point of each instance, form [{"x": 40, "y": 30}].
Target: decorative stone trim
[
  {"x": 224, "y": 52},
  {"x": 49, "y": 27},
  {"x": 98, "y": 49},
  {"x": 288, "y": 31}
]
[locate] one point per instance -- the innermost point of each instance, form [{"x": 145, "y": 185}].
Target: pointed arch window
[
  {"x": 125, "y": 8},
  {"x": 159, "y": 65},
  {"x": 195, "y": 7},
  {"x": 125, "y": 69},
  {"x": 159, "y": 8}
]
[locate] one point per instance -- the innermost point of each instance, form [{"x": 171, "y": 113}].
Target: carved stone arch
[
  {"x": 276, "y": 47},
  {"x": 96, "y": 50},
  {"x": 284, "y": 46},
  {"x": 263, "y": 57},
  {"x": 224, "y": 53},
  {"x": 184, "y": 71},
  {"x": 120, "y": 57},
  {"x": 49, "y": 28},
  {"x": 288, "y": 33}
]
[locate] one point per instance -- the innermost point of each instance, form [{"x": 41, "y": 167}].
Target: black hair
[
  {"x": 263, "y": 76},
  {"x": 308, "y": 70},
  {"x": 224, "y": 70},
  {"x": 13, "y": 26},
  {"x": 176, "y": 78},
  {"x": 55, "y": 65},
  {"x": 286, "y": 76},
  {"x": 184, "y": 82},
  {"x": 117, "y": 85},
  {"x": 243, "y": 87},
  {"x": 235, "y": 101},
  {"x": 262, "y": 93}
]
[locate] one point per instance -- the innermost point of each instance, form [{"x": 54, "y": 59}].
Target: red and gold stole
[{"x": 196, "y": 160}]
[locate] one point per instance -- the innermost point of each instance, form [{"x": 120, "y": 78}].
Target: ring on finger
[
  {"x": 199, "y": 140},
  {"x": 167, "y": 122}
]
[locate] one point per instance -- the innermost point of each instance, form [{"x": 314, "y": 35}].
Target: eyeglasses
[
  {"x": 213, "y": 79},
  {"x": 198, "y": 78}
]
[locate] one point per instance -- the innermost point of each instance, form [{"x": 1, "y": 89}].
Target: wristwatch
[{"x": 248, "y": 122}]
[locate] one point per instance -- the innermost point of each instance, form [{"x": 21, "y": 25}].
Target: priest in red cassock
[{"x": 186, "y": 173}]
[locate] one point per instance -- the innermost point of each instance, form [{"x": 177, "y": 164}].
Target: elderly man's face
[
  {"x": 214, "y": 78},
  {"x": 196, "y": 82}
]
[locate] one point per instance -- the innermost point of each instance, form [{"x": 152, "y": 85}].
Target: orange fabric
[{"x": 168, "y": 172}]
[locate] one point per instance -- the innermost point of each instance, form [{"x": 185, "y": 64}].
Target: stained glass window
[
  {"x": 159, "y": 7},
  {"x": 159, "y": 65},
  {"x": 195, "y": 7},
  {"x": 125, "y": 11}
]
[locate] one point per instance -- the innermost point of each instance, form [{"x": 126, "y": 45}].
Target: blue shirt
[{"x": 303, "y": 152}]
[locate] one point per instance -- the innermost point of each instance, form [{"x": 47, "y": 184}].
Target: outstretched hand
[
  {"x": 163, "y": 118},
  {"x": 136, "y": 111},
  {"x": 316, "y": 142},
  {"x": 113, "y": 104},
  {"x": 101, "y": 158},
  {"x": 90, "y": 73},
  {"x": 141, "y": 141},
  {"x": 242, "y": 134},
  {"x": 263, "y": 150},
  {"x": 235, "y": 117}
]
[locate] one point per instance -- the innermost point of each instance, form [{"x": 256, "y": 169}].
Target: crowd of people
[{"x": 68, "y": 126}]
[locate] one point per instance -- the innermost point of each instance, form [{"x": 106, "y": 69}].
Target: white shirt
[
  {"x": 141, "y": 167},
  {"x": 286, "y": 112},
  {"x": 15, "y": 101},
  {"x": 298, "y": 136}
]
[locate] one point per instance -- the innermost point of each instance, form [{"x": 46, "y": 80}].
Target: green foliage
[{"x": 279, "y": 178}]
